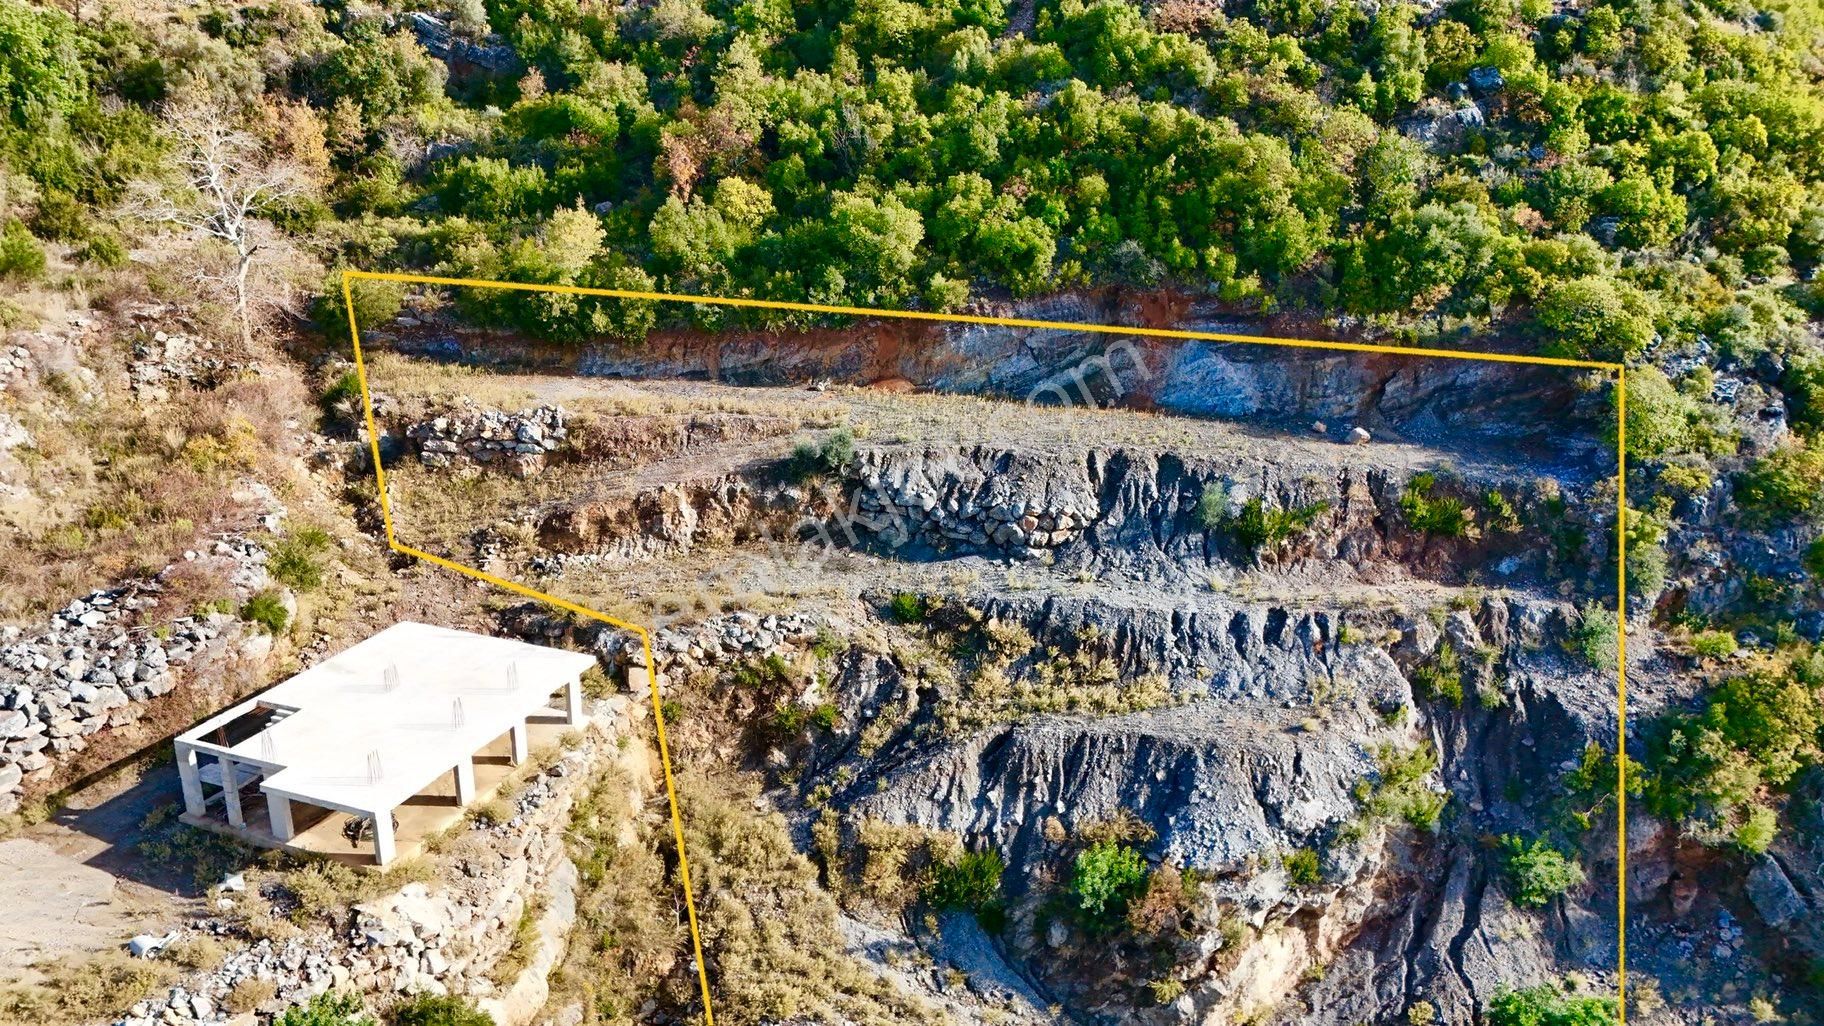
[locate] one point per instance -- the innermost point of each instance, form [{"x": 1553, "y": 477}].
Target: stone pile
[
  {"x": 86, "y": 669},
  {"x": 722, "y": 640},
  {"x": 518, "y": 442}
]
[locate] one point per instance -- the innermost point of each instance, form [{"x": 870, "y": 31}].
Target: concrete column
[
  {"x": 193, "y": 785},
  {"x": 278, "y": 809},
  {"x": 231, "y": 792},
  {"x": 573, "y": 703},
  {"x": 465, "y": 781},
  {"x": 522, "y": 742},
  {"x": 383, "y": 836}
]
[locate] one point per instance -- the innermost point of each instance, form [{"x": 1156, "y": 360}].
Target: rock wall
[{"x": 518, "y": 443}]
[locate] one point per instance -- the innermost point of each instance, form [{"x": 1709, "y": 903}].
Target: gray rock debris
[
  {"x": 517, "y": 442},
  {"x": 85, "y": 670}
]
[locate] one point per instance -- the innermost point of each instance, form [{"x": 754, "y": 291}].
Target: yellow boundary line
[{"x": 652, "y": 676}]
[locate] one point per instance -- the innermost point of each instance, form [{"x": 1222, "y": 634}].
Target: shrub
[
  {"x": 328, "y": 1009},
  {"x": 1105, "y": 877},
  {"x": 1755, "y": 833},
  {"x": 1442, "y": 678},
  {"x": 249, "y": 993},
  {"x": 345, "y": 387},
  {"x": 1547, "y": 1006},
  {"x": 1713, "y": 644},
  {"x": 81, "y": 991},
  {"x": 1814, "y": 557},
  {"x": 1399, "y": 789},
  {"x": 103, "y": 250},
  {"x": 828, "y": 457},
  {"x": 293, "y": 561},
  {"x": 1445, "y": 516},
  {"x": 267, "y": 610},
  {"x": 1303, "y": 867},
  {"x": 1536, "y": 872},
  {"x": 1803, "y": 384},
  {"x": 1715, "y": 767},
  {"x": 21, "y": 255},
  {"x": 438, "y": 1010},
  {"x": 1258, "y": 527},
  {"x": 1593, "y": 636},
  {"x": 376, "y": 303},
  {"x": 971, "y": 881},
  {"x": 1212, "y": 507},
  {"x": 1786, "y": 484},
  {"x": 1596, "y": 318},
  {"x": 906, "y": 607}
]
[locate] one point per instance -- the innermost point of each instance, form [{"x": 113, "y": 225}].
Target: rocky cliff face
[{"x": 1280, "y": 730}]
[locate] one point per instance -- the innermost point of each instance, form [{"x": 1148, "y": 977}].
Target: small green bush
[
  {"x": 1212, "y": 507},
  {"x": 1547, "y": 1006},
  {"x": 971, "y": 881},
  {"x": 21, "y": 255},
  {"x": 906, "y": 607},
  {"x": 1786, "y": 484},
  {"x": 1444, "y": 516},
  {"x": 103, "y": 250},
  {"x": 1303, "y": 867},
  {"x": 1442, "y": 678},
  {"x": 376, "y": 303},
  {"x": 826, "y": 458},
  {"x": 1105, "y": 877},
  {"x": 1593, "y": 636},
  {"x": 267, "y": 610},
  {"x": 1258, "y": 527},
  {"x": 1536, "y": 872},
  {"x": 345, "y": 387},
  {"x": 438, "y": 1010},
  {"x": 329, "y": 1009},
  {"x": 293, "y": 561},
  {"x": 1713, "y": 644},
  {"x": 1399, "y": 790}
]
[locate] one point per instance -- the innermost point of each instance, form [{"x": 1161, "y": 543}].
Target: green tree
[
  {"x": 42, "y": 75},
  {"x": 1597, "y": 318}
]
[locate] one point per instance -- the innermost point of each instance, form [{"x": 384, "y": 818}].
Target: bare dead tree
[{"x": 228, "y": 182}]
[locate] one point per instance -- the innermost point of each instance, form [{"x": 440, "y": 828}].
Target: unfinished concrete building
[{"x": 393, "y": 738}]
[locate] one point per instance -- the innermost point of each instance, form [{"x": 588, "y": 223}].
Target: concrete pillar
[
  {"x": 522, "y": 742},
  {"x": 383, "y": 836},
  {"x": 231, "y": 792},
  {"x": 193, "y": 785},
  {"x": 573, "y": 703},
  {"x": 465, "y": 781},
  {"x": 278, "y": 810}
]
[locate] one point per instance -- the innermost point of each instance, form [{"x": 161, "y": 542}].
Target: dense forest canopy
[
  {"x": 1601, "y": 174},
  {"x": 1609, "y": 180}
]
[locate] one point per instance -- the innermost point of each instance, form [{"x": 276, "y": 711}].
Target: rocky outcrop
[{"x": 163, "y": 361}]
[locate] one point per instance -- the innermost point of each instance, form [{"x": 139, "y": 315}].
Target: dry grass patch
[{"x": 73, "y": 991}]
